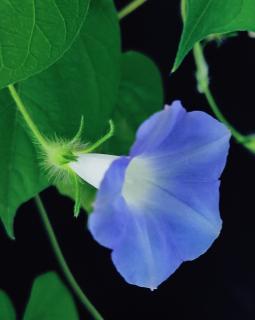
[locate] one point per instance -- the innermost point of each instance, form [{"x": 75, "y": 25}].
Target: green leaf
[
  {"x": 7, "y": 311},
  {"x": 50, "y": 300},
  {"x": 205, "y": 17},
  {"x": 84, "y": 82},
  {"x": 140, "y": 95},
  {"x": 35, "y": 34}
]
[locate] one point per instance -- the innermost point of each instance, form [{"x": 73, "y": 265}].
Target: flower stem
[
  {"x": 183, "y": 9},
  {"x": 203, "y": 87},
  {"x": 61, "y": 260},
  {"x": 130, "y": 8},
  {"x": 30, "y": 123},
  {"x": 202, "y": 75},
  {"x": 211, "y": 101}
]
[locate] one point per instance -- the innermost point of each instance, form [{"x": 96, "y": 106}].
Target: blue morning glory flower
[{"x": 159, "y": 206}]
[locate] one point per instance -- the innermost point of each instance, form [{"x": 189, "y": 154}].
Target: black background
[{"x": 218, "y": 285}]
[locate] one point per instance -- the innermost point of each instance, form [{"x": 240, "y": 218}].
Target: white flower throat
[
  {"x": 136, "y": 187},
  {"x": 93, "y": 166}
]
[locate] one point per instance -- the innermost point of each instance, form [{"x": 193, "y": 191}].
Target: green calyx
[
  {"x": 60, "y": 154},
  {"x": 56, "y": 157},
  {"x": 98, "y": 143}
]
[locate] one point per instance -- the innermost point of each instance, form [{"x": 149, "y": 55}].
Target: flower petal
[
  {"x": 160, "y": 207},
  {"x": 203, "y": 163},
  {"x": 161, "y": 234},
  {"x": 152, "y": 239},
  {"x": 175, "y": 131},
  {"x": 115, "y": 226},
  {"x": 191, "y": 231},
  {"x": 157, "y": 128},
  {"x": 108, "y": 222},
  {"x": 145, "y": 256},
  {"x": 141, "y": 253}
]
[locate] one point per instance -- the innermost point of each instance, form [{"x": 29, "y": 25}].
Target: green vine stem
[
  {"x": 202, "y": 76},
  {"x": 203, "y": 87},
  {"x": 61, "y": 260},
  {"x": 130, "y": 8}
]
